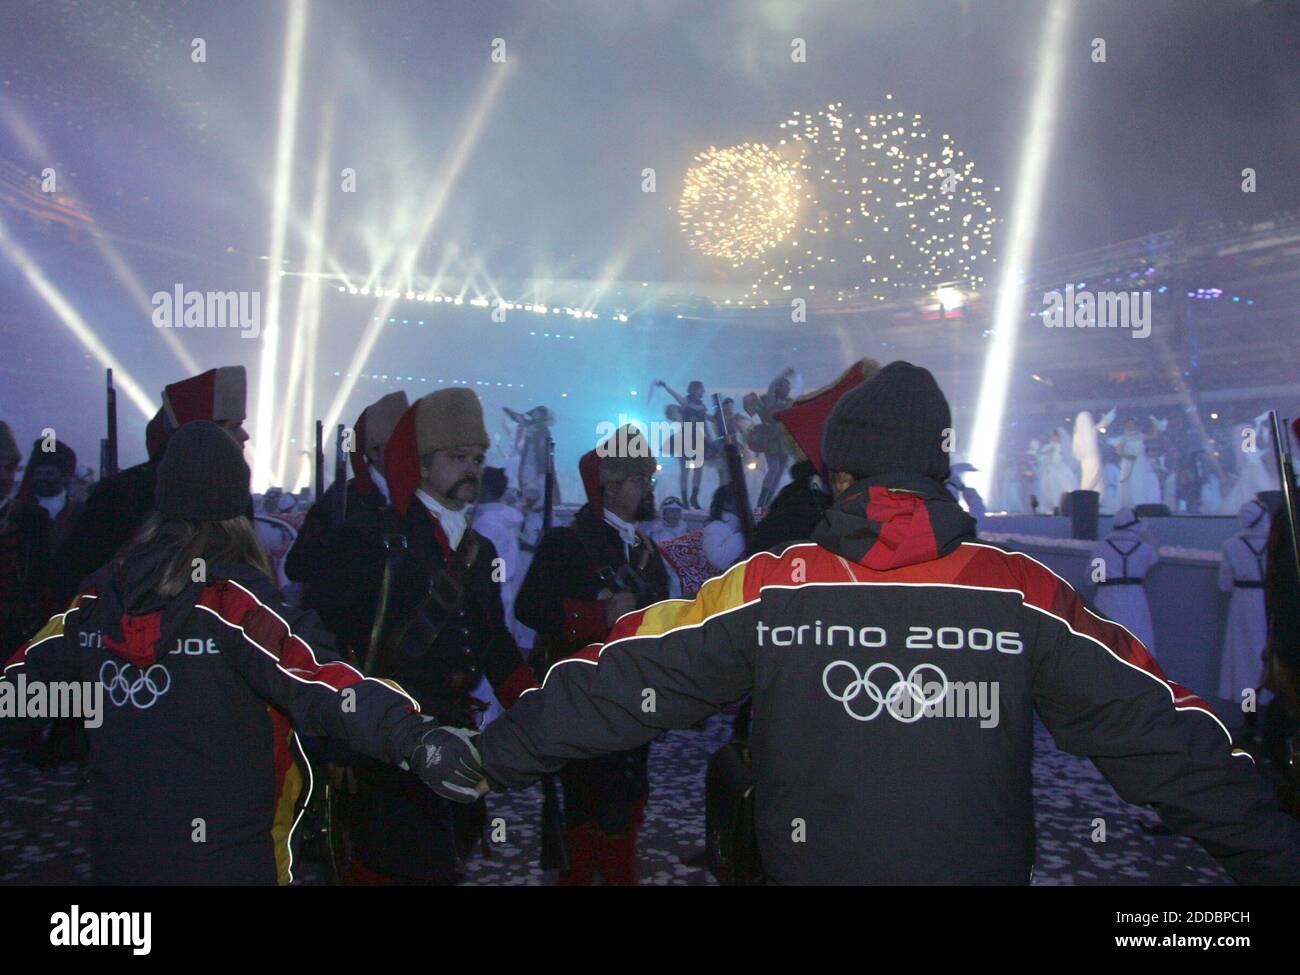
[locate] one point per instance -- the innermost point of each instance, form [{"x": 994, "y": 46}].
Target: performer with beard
[
  {"x": 583, "y": 578},
  {"x": 439, "y": 630},
  {"x": 51, "y": 469}
]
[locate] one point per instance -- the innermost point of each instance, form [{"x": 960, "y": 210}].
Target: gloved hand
[{"x": 448, "y": 763}]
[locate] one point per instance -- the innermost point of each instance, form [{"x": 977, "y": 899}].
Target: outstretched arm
[
  {"x": 1101, "y": 694},
  {"x": 666, "y": 666},
  {"x": 681, "y": 400}
]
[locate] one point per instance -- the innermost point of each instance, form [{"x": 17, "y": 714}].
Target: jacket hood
[
  {"x": 892, "y": 520},
  {"x": 137, "y": 624}
]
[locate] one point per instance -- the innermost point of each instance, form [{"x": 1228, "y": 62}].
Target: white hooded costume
[
  {"x": 1055, "y": 475},
  {"x": 1087, "y": 452},
  {"x": 1242, "y": 573},
  {"x": 1138, "y": 483},
  {"x": 1128, "y": 553},
  {"x": 1255, "y": 469}
]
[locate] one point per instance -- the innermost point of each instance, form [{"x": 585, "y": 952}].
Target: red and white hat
[{"x": 218, "y": 395}]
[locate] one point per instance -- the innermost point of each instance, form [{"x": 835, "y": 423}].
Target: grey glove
[{"x": 448, "y": 763}]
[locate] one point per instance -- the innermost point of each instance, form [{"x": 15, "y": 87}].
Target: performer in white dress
[
  {"x": 1255, "y": 471},
  {"x": 1138, "y": 483},
  {"x": 1128, "y": 553},
  {"x": 1242, "y": 573},
  {"x": 1055, "y": 476},
  {"x": 1110, "y": 476},
  {"x": 1087, "y": 451}
]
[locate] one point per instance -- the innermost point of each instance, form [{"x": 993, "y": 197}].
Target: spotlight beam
[
  {"x": 302, "y": 360},
  {"x": 36, "y": 147},
  {"x": 462, "y": 149},
  {"x": 73, "y": 321},
  {"x": 1035, "y": 152},
  {"x": 263, "y": 439}
]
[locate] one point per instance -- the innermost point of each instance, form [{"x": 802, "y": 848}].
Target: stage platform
[{"x": 1187, "y": 607}]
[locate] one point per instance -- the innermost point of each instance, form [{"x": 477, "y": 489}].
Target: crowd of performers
[
  {"x": 1142, "y": 462},
  {"x": 430, "y": 636}
]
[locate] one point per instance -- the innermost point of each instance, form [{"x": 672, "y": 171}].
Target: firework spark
[
  {"x": 844, "y": 207},
  {"x": 739, "y": 203}
]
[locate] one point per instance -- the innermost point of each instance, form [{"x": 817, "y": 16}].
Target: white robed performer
[
  {"x": 1110, "y": 479},
  {"x": 1138, "y": 483},
  {"x": 1087, "y": 451},
  {"x": 530, "y": 448},
  {"x": 1056, "y": 477},
  {"x": 1128, "y": 552},
  {"x": 1254, "y": 467},
  {"x": 1211, "y": 491},
  {"x": 1242, "y": 573}
]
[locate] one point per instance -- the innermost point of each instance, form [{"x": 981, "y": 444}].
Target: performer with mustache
[
  {"x": 582, "y": 579},
  {"x": 425, "y": 596}
]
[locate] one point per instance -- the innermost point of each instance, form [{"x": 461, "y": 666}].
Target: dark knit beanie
[
  {"x": 203, "y": 475},
  {"x": 894, "y": 423}
]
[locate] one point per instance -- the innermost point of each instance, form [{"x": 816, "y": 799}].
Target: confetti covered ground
[{"x": 43, "y": 814}]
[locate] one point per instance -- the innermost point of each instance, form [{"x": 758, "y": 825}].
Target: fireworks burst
[
  {"x": 739, "y": 203},
  {"x": 882, "y": 206}
]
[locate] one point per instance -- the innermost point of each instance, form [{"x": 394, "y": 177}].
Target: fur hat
[
  {"x": 440, "y": 421},
  {"x": 449, "y": 418},
  {"x": 624, "y": 453}
]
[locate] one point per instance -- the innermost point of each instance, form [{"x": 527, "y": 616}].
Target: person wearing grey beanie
[
  {"x": 855, "y": 648},
  {"x": 203, "y": 475},
  {"x": 896, "y": 422}
]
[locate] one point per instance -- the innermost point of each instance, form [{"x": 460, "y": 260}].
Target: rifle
[
  {"x": 1278, "y": 677},
  {"x": 555, "y": 856},
  {"x": 1282, "y": 456},
  {"x": 736, "y": 468},
  {"x": 320, "y": 460},
  {"x": 108, "y": 458},
  {"x": 548, "y": 493},
  {"x": 340, "y": 513}
]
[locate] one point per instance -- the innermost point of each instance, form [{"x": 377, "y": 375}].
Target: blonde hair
[{"x": 231, "y": 541}]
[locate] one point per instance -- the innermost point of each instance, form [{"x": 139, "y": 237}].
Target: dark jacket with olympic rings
[
  {"x": 896, "y": 665},
  {"x": 197, "y": 775}
]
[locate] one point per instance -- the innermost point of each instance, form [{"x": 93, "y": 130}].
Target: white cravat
[
  {"x": 380, "y": 483},
  {"x": 626, "y": 531},
  {"x": 55, "y": 504},
  {"x": 453, "y": 521}
]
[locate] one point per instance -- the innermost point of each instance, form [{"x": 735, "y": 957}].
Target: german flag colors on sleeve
[{"x": 666, "y": 666}]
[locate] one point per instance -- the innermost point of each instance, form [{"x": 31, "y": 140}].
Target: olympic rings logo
[
  {"x": 141, "y": 689},
  {"x": 909, "y": 691}
]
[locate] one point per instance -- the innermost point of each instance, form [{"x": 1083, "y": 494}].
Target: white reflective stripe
[
  {"x": 57, "y": 616},
  {"x": 392, "y": 687},
  {"x": 1163, "y": 683}
]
